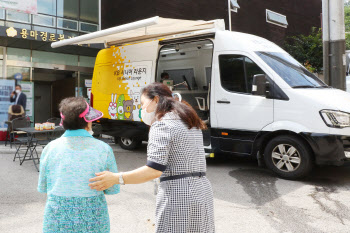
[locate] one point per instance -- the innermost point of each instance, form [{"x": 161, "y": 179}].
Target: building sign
[
  {"x": 28, "y": 89},
  {"x": 31, "y": 34},
  {"x": 88, "y": 82},
  {"x": 18, "y": 76},
  {"x": 27, "y": 6}
]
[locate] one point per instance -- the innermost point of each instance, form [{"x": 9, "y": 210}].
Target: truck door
[{"x": 237, "y": 115}]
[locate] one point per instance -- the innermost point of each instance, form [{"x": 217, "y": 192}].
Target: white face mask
[
  {"x": 148, "y": 117},
  {"x": 18, "y": 91},
  {"x": 91, "y": 132}
]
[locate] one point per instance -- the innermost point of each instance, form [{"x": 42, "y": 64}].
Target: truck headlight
[{"x": 335, "y": 119}]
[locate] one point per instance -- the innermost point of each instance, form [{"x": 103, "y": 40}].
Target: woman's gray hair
[{"x": 71, "y": 108}]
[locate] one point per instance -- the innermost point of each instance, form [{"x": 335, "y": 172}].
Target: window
[
  {"x": 237, "y": 72},
  {"x": 47, "y": 7},
  {"x": 2, "y": 13},
  {"x": 44, "y": 29},
  {"x": 251, "y": 70},
  {"x": 67, "y": 24},
  {"x": 87, "y": 61},
  {"x": 55, "y": 58},
  {"x": 18, "y": 25},
  {"x": 291, "y": 71},
  {"x": 89, "y": 11},
  {"x": 44, "y": 20},
  {"x": 275, "y": 18},
  {"x": 18, "y": 54},
  {"x": 18, "y": 16},
  {"x": 67, "y": 33},
  {"x": 12, "y": 70},
  {"x": 68, "y": 8},
  {"x": 88, "y": 27},
  {"x": 182, "y": 75}
]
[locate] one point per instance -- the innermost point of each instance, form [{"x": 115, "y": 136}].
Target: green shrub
[{"x": 307, "y": 49}]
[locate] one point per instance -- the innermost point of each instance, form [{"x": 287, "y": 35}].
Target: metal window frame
[
  {"x": 47, "y": 16},
  {"x": 69, "y": 29},
  {"x": 44, "y": 27},
  {"x": 4, "y": 11},
  {"x": 274, "y": 22},
  {"x": 80, "y": 22},
  {"x": 20, "y": 21},
  {"x": 10, "y": 21}
]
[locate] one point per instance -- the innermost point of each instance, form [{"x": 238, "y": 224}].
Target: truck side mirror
[{"x": 260, "y": 85}]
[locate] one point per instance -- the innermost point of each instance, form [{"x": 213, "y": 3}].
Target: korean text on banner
[{"x": 27, "y": 6}]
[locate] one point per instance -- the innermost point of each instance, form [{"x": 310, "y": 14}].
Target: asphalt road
[{"x": 247, "y": 198}]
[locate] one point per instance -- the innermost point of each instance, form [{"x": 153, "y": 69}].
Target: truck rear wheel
[
  {"x": 289, "y": 157},
  {"x": 128, "y": 143}
]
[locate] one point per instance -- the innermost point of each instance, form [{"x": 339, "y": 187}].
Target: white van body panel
[
  {"x": 333, "y": 99},
  {"x": 342, "y": 132},
  {"x": 241, "y": 111},
  {"x": 304, "y": 108},
  {"x": 226, "y": 40},
  {"x": 300, "y": 113},
  {"x": 286, "y": 125}
]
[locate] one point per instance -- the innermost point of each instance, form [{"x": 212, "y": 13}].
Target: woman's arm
[{"x": 106, "y": 179}]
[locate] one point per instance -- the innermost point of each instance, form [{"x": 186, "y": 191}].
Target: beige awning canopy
[{"x": 151, "y": 28}]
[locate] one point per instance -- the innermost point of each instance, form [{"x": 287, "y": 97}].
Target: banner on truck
[
  {"x": 120, "y": 74},
  {"x": 26, "y": 6}
]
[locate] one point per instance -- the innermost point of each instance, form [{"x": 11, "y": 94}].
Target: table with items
[{"x": 32, "y": 141}]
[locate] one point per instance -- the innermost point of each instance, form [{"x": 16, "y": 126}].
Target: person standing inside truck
[
  {"x": 175, "y": 153},
  {"x": 164, "y": 76}
]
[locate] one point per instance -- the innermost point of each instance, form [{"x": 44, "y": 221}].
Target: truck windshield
[{"x": 291, "y": 71}]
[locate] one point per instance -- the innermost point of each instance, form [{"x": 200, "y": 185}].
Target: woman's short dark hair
[
  {"x": 167, "y": 104},
  {"x": 71, "y": 108},
  {"x": 162, "y": 75}
]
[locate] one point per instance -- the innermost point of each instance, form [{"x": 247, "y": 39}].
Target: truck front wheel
[
  {"x": 289, "y": 157},
  {"x": 128, "y": 143}
]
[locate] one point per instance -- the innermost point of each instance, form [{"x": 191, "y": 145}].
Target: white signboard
[
  {"x": 88, "y": 82},
  {"x": 88, "y": 90},
  {"x": 27, "y": 88},
  {"x": 6, "y": 88},
  {"x": 27, "y": 6}
]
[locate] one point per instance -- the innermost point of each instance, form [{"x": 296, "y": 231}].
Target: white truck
[{"x": 256, "y": 99}]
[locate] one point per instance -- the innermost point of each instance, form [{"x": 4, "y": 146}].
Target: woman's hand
[{"x": 104, "y": 180}]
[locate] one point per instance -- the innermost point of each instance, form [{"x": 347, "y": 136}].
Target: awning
[{"x": 151, "y": 28}]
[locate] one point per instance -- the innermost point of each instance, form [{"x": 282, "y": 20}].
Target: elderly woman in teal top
[{"x": 66, "y": 165}]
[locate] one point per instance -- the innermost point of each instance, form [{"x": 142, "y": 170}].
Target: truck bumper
[{"x": 329, "y": 149}]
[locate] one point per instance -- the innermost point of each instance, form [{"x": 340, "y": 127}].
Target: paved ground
[{"x": 247, "y": 198}]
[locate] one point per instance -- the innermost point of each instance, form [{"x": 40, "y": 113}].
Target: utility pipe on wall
[{"x": 334, "y": 42}]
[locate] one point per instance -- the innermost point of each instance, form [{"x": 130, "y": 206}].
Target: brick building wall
[{"x": 302, "y": 15}]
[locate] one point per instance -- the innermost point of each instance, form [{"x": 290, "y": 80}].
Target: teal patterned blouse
[{"x": 66, "y": 165}]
